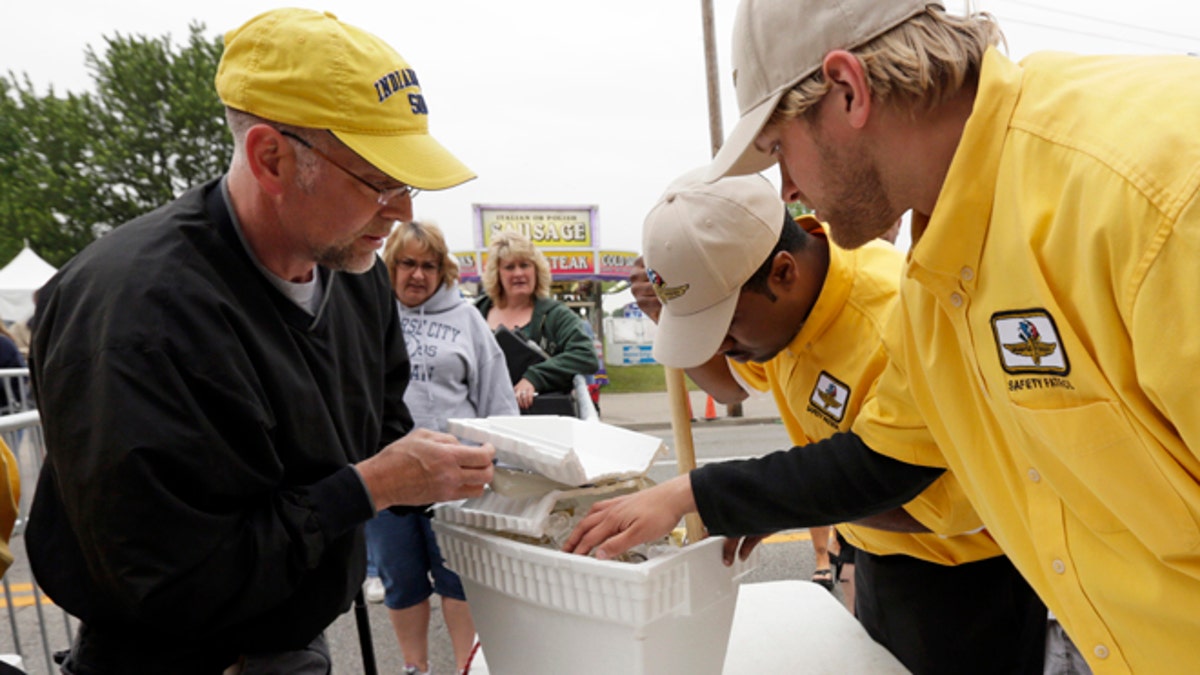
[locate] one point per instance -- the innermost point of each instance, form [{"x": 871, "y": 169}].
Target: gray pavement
[{"x": 652, "y": 411}]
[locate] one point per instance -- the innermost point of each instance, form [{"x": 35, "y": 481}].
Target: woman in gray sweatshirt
[{"x": 458, "y": 370}]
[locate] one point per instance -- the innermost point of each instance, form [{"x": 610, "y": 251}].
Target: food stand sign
[
  {"x": 616, "y": 264},
  {"x": 546, "y": 226},
  {"x": 567, "y": 235}
]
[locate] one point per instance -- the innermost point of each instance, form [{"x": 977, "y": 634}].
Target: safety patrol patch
[
  {"x": 1027, "y": 341},
  {"x": 664, "y": 292},
  {"x": 829, "y": 397}
]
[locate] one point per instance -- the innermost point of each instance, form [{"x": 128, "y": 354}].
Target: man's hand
[
  {"x": 425, "y": 467},
  {"x": 643, "y": 290},
  {"x": 614, "y": 526},
  {"x": 740, "y": 547}
]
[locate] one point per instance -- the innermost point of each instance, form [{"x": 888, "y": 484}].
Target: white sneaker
[{"x": 373, "y": 590}]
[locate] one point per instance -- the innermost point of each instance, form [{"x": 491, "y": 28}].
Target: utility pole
[{"x": 715, "y": 133}]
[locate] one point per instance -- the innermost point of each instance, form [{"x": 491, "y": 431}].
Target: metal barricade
[
  {"x": 15, "y": 395},
  {"x": 29, "y": 631},
  {"x": 584, "y": 409}
]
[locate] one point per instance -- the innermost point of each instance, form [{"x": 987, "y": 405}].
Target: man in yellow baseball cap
[
  {"x": 221, "y": 381},
  {"x": 307, "y": 69}
]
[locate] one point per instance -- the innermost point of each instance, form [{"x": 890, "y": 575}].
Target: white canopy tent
[{"x": 23, "y": 275}]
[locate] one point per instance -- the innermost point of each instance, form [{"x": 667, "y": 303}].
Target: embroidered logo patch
[
  {"x": 1028, "y": 342},
  {"x": 829, "y": 397},
  {"x": 664, "y": 292}
]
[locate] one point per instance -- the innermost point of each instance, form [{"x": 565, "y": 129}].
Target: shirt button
[
  {"x": 967, "y": 273},
  {"x": 1059, "y": 567},
  {"x": 956, "y": 299},
  {"x": 1101, "y": 652},
  {"x": 1034, "y": 475}
]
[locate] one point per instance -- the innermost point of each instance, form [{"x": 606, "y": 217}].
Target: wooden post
[{"x": 685, "y": 451}]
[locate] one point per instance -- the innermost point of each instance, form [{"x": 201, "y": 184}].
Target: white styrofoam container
[
  {"x": 525, "y": 516},
  {"x": 539, "y": 610},
  {"x": 564, "y": 449}
]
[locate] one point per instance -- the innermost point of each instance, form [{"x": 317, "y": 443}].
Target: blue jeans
[{"x": 409, "y": 560}]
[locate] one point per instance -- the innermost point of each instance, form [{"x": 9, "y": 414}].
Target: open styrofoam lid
[{"x": 564, "y": 449}]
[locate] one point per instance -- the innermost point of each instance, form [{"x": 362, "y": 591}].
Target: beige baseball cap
[
  {"x": 700, "y": 243},
  {"x": 778, "y": 43},
  {"x": 307, "y": 68}
]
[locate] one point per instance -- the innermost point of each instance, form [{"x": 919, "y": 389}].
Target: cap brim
[
  {"x": 738, "y": 156},
  {"x": 691, "y": 340},
  {"x": 413, "y": 159}
]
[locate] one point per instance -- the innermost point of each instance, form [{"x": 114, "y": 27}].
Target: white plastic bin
[{"x": 539, "y": 610}]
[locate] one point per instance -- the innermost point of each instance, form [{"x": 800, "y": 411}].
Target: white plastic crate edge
[
  {"x": 626, "y": 593},
  {"x": 496, "y": 512}
]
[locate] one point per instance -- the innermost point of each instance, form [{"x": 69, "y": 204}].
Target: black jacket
[{"x": 197, "y": 500}]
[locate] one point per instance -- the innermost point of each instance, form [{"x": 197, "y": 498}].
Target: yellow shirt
[
  {"x": 10, "y": 494},
  {"x": 1049, "y": 356},
  {"x": 822, "y": 378}
]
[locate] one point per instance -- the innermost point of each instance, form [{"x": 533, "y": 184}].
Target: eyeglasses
[
  {"x": 408, "y": 265},
  {"x": 385, "y": 195}
]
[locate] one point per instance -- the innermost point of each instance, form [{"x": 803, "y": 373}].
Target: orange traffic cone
[{"x": 710, "y": 409}]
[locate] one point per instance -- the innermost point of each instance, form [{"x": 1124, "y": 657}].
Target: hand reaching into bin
[{"x": 614, "y": 526}]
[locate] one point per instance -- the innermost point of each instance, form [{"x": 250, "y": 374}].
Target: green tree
[
  {"x": 74, "y": 167},
  {"x": 41, "y": 188},
  {"x": 797, "y": 209}
]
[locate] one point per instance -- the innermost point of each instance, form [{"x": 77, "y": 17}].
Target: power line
[
  {"x": 1096, "y": 19},
  {"x": 1102, "y": 36}
]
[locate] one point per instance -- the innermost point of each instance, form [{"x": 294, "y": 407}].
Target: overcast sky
[{"x": 557, "y": 102}]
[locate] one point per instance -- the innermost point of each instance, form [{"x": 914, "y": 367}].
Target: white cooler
[{"x": 538, "y": 610}]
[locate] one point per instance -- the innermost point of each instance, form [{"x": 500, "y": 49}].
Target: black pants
[{"x": 978, "y": 618}]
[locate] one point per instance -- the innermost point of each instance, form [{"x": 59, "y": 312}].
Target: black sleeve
[{"x": 832, "y": 481}]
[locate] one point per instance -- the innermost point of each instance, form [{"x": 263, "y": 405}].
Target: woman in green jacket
[{"x": 516, "y": 280}]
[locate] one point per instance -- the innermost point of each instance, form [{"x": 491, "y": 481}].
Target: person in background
[
  {"x": 12, "y": 389},
  {"x": 516, "y": 285},
  {"x": 746, "y": 298},
  {"x": 21, "y": 332},
  {"x": 458, "y": 371},
  {"x": 221, "y": 381}
]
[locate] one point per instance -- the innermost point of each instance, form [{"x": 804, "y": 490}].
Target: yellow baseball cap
[{"x": 306, "y": 68}]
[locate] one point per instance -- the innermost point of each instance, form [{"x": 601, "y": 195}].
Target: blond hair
[
  {"x": 921, "y": 62},
  {"x": 429, "y": 239},
  {"x": 510, "y": 245}
]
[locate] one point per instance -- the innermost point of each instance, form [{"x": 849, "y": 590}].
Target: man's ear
[
  {"x": 849, "y": 90},
  {"x": 270, "y": 157},
  {"x": 784, "y": 271}
]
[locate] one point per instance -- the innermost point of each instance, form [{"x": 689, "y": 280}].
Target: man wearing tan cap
[
  {"x": 729, "y": 273},
  {"x": 221, "y": 380},
  {"x": 1050, "y": 294}
]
